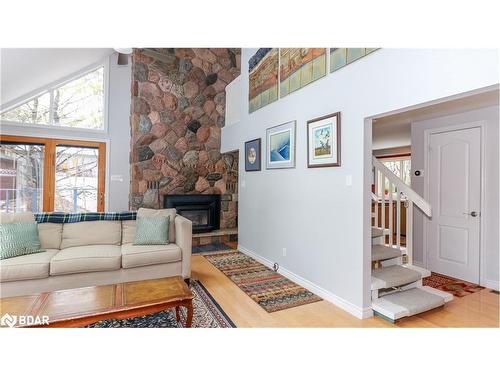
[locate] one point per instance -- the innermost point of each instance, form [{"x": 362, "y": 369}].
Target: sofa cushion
[
  {"x": 26, "y": 267},
  {"x": 144, "y": 255},
  {"x": 129, "y": 228},
  {"x": 88, "y": 258},
  {"x": 102, "y": 232},
  {"x": 50, "y": 235},
  {"x": 171, "y": 212}
]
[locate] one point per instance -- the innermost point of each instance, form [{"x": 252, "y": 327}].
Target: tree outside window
[
  {"x": 78, "y": 103},
  {"x": 401, "y": 167}
]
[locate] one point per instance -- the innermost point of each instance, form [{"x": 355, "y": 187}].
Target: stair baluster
[
  {"x": 383, "y": 204},
  {"x": 376, "y": 196},
  {"x": 398, "y": 215},
  {"x": 391, "y": 215}
]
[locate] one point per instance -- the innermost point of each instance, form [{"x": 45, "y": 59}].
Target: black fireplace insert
[{"x": 202, "y": 209}]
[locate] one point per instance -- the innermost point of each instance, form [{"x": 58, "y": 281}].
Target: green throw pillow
[
  {"x": 152, "y": 230},
  {"x": 18, "y": 239}
]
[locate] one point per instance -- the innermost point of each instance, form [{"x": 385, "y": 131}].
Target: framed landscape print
[
  {"x": 263, "y": 78},
  {"x": 252, "y": 155},
  {"x": 299, "y": 67},
  {"x": 323, "y": 141},
  {"x": 340, "y": 57},
  {"x": 280, "y": 146}
]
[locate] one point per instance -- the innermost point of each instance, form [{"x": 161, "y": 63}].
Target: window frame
[
  {"x": 49, "y": 172},
  {"x": 50, "y": 89}
]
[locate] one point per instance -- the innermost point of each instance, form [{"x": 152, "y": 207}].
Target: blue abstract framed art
[{"x": 280, "y": 146}]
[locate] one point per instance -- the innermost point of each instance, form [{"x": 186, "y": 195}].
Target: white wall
[
  {"x": 117, "y": 137},
  {"x": 321, "y": 221},
  {"x": 489, "y": 212},
  {"x": 391, "y": 135}
]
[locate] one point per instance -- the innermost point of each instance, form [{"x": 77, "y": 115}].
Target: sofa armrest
[{"x": 184, "y": 239}]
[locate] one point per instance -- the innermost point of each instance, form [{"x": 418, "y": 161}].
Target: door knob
[{"x": 472, "y": 213}]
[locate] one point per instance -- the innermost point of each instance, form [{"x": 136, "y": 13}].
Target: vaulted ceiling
[{"x": 24, "y": 70}]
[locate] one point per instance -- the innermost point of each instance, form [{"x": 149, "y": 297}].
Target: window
[
  {"x": 78, "y": 103},
  {"x": 36, "y": 111},
  {"x": 21, "y": 177},
  {"x": 42, "y": 174},
  {"x": 401, "y": 167},
  {"x": 76, "y": 178}
]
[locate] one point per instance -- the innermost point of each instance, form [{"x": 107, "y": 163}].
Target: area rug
[
  {"x": 206, "y": 314},
  {"x": 272, "y": 291},
  {"x": 459, "y": 288},
  {"x": 210, "y": 248}
]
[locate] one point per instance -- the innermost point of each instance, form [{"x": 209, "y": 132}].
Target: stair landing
[{"x": 410, "y": 302}]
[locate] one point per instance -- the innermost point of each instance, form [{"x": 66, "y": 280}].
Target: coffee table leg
[
  {"x": 177, "y": 313},
  {"x": 189, "y": 320}
]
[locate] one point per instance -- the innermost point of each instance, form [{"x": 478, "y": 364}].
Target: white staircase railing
[{"x": 397, "y": 194}]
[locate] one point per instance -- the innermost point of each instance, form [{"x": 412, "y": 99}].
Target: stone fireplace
[
  {"x": 177, "y": 112},
  {"x": 202, "y": 209}
]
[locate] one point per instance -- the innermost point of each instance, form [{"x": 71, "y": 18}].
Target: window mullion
[
  {"x": 49, "y": 175},
  {"x": 51, "y": 108}
]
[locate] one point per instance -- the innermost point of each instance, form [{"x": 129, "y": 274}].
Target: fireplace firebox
[{"x": 202, "y": 209}]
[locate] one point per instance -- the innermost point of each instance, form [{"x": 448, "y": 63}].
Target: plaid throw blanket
[{"x": 67, "y": 217}]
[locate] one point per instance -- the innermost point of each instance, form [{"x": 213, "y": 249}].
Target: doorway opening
[{"x": 446, "y": 152}]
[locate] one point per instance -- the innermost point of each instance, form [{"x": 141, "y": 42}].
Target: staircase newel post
[
  {"x": 409, "y": 232},
  {"x": 377, "y": 195},
  {"x": 398, "y": 219},
  {"x": 383, "y": 204},
  {"x": 391, "y": 215}
]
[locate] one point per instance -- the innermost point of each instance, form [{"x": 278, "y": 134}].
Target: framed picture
[
  {"x": 299, "y": 67},
  {"x": 252, "y": 155},
  {"x": 323, "y": 141},
  {"x": 263, "y": 78},
  {"x": 280, "y": 146}
]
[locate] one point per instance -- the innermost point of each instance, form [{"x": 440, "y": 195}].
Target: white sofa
[{"x": 94, "y": 253}]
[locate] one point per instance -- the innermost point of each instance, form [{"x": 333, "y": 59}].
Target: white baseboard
[
  {"x": 352, "y": 309},
  {"x": 418, "y": 264},
  {"x": 491, "y": 284}
]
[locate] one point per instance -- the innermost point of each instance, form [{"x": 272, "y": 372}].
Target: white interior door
[{"x": 453, "y": 233}]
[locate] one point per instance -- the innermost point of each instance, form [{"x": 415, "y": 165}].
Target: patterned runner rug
[
  {"x": 459, "y": 288},
  {"x": 269, "y": 289},
  {"x": 206, "y": 314}
]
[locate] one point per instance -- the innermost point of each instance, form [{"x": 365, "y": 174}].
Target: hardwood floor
[{"x": 479, "y": 309}]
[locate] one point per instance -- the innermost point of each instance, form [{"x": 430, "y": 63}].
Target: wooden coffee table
[{"x": 82, "y": 306}]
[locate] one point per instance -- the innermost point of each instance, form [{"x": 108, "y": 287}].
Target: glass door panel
[
  {"x": 76, "y": 178},
  {"x": 21, "y": 177}
]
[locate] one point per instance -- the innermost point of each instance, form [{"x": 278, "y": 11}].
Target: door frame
[
  {"x": 427, "y": 134},
  {"x": 49, "y": 167}
]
